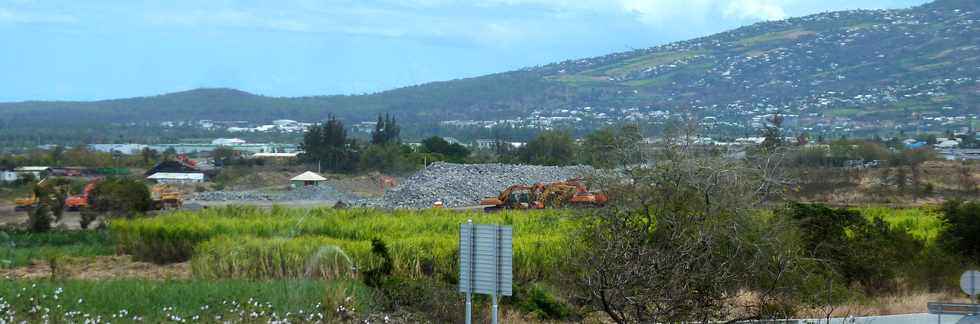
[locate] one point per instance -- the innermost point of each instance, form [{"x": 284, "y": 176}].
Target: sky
[{"x": 103, "y": 49}]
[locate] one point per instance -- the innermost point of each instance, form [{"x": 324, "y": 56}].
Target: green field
[
  {"x": 19, "y": 248},
  {"x": 255, "y": 265},
  {"x": 244, "y": 242}
]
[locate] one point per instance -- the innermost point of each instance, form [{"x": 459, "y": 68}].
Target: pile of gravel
[
  {"x": 459, "y": 185},
  {"x": 322, "y": 192}
]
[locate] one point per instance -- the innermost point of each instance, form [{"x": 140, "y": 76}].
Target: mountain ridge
[{"x": 863, "y": 65}]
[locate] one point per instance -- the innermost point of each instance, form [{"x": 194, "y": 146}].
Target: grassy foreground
[
  {"x": 19, "y": 248},
  {"x": 195, "y": 301}
]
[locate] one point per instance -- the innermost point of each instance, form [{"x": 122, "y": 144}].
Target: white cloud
[{"x": 755, "y": 9}]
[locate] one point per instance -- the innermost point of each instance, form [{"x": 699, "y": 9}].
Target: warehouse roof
[{"x": 176, "y": 176}]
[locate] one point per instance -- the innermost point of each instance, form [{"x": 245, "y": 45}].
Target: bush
[
  {"x": 961, "y": 233},
  {"x": 538, "y": 301},
  {"x": 121, "y": 196},
  {"x": 39, "y": 218},
  {"x": 871, "y": 253},
  {"x": 437, "y": 300},
  {"x": 87, "y": 217}
]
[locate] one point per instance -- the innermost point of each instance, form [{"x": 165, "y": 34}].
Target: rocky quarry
[
  {"x": 460, "y": 185},
  {"x": 323, "y": 192}
]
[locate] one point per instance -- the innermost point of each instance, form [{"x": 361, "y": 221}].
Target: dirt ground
[
  {"x": 9, "y": 217},
  {"x": 99, "y": 268}
]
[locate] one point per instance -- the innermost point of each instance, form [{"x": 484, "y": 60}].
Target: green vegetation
[
  {"x": 121, "y": 196},
  {"x": 19, "y": 248},
  {"x": 164, "y": 301},
  {"x": 775, "y": 37},
  {"x": 421, "y": 243}
]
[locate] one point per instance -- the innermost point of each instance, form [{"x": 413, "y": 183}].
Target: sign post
[
  {"x": 970, "y": 283},
  {"x": 485, "y": 263}
]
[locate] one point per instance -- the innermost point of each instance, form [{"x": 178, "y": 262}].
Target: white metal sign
[
  {"x": 970, "y": 283},
  {"x": 486, "y": 255}
]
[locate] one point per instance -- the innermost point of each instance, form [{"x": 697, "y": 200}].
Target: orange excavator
[
  {"x": 545, "y": 195},
  {"x": 78, "y": 202}
]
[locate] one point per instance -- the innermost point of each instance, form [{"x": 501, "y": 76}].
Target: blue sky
[{"x": 100, "y": 49}]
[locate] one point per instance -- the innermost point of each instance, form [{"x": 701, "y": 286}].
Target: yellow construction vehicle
[
  {"x": 166, "y": 197},
  {"x": 53, "y": 189},
  {"x": 30, "y": 201}
]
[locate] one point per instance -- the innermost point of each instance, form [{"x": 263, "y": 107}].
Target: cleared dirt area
[
  {"x": 9, "y": 217},
  {"x": 98, "y": 268}
]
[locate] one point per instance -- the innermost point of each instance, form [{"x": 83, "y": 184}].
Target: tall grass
[
  {"x": 922, "y": 222},
  {"x": 246, "y": 242}
]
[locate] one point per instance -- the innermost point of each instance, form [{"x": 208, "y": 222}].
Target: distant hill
[{"x": 888, "y": 66}]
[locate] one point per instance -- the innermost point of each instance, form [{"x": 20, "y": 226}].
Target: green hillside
[{"x": 878, "y": 67}]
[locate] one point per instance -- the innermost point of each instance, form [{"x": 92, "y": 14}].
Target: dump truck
[{"x": 571, "y": 193}]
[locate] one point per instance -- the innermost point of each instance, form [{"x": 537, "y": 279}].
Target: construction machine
[
  {"x": 80, "y": 201},
  {"x": 166, "y": 197},
  {"x": 53, "y": 188},
  {"x": 29, "y": 201},
  {"x": 545, "y": 195}
]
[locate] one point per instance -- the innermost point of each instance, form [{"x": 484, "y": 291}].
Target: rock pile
[
  {"x": 459, "y": 185},
  {"x": 323, "y": 192}
]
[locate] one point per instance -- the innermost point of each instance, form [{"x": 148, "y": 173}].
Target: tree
[
  {"x": 222, "y": 155},
  {"x": 170, "y": 154},
  {"x": 454, "y": 152},
  {"x": 680, "y": 243},
  {"x": 608, "y": 148},
  {"x": 961, "y": 233},
  {"x": 149, "y": 156},
  {"x": 551, "y": 147},
  {"x": 328, "y": 145},
  {"x": 386, "y": 131},
  {"x": 773, "y": 133},
  {"x": 121, "y": 196}
]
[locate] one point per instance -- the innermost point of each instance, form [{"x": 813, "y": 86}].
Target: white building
[
  {"x": 275, "y": 155},
  {"x": 176, "y": 178},
  {"x": 38, "y": 172},
  {"x": 228, "y": 141},
  {"x": 8, "y": 176}
]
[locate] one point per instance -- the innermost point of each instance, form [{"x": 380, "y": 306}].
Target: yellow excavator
[
  {"x": 544, "y": 195},
  {"x": 166, "y": 197},
  {"x": 31, "y": 201}
]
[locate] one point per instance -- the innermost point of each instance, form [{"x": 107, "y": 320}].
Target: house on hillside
[{"x": 307, "y": 179}]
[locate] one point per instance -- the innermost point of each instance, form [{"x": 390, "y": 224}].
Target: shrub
[
  {"x": 542, "y": 303},
  {"x": 39, "y": 218},
  {"x": 961, "y": 232},
  {"x": 121, "y": 196},
  {"x": 872, "y": 253}
]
